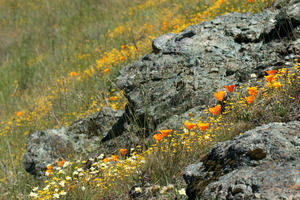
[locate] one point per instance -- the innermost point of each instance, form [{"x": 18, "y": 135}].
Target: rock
[
  {"x": 185, "y": 69},
  {"x": 81, "y": 138},
  {"x": 262, "y": 163}
]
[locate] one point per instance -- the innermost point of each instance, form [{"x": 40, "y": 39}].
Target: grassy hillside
[{"x": 58, "y": 62}]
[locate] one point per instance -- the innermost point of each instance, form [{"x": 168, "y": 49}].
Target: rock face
[
  {"x": 178, "y": 77},
  {"x": 263, "y": 163},
  {"x": 82, "y": 137},
  {"x": 186, "y": 68}
]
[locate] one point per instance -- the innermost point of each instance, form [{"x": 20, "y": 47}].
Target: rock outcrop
[
  {"x": 186, "y": 68},
  {"x": 178, "y": 77},
  {"x": 263, "y": 163},
  {"x": 81, "y": 137}
]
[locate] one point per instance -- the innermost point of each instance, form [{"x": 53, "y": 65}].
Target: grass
[{"x": 58, "y": 62}]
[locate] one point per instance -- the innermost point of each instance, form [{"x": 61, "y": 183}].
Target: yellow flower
[{"x": 277, "y": 84}]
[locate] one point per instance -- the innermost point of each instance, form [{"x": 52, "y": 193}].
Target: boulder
[
  {"x": 81, "y": 138},
  {"x": 185, "y": 69},
  {"x": 263, "y": 163}
]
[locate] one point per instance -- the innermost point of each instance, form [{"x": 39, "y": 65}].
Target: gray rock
[
  {"x": 185, "y": 69},
  {"x": 81, "y": 138},
  {"x": 262, "y": 163}
]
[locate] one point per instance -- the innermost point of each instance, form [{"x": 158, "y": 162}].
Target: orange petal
[
  {"x": 220, "y": 95},
  {"x": 229, "y": 88},
  {"x": 165, "y": 132}
]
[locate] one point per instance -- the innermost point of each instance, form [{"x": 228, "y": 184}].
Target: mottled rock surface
[
  {"x": 80, "y": 138},
  {"x": 263, "y": 163},
  {"x": 186, "y": 68}
]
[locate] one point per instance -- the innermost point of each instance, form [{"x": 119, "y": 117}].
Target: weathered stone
[
  {"x": 186, "y": 68},
  {"x": 81, "y": 138},
  {"x": 262, "y": 162}
]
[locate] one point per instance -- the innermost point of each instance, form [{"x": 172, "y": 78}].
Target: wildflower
[
  {"x": 112, "y": 98},
  {"x": 106, "y": 70},
  {"x": 123, "y": 151},
  {"x": 33, "y": 195},
  {"x": 203, "y": 126},
  {"x": 62, "y": 193},
  {"x": 277, "y": 84},
  {"x": 122, "y": 58},
  {"x": 229, "y": 88},
  {"x": 158, "y": 137},
  {"x": 61, "y": 163},
  {"x": 215, "y": 110},
  {"x": 250, "y": 99},
  {"x": 252, "y": 91},
  {"x": 270, "y": 72},
  {"x": 49, "y": 167},
  {"x": 189, "y": 125},
  {"x": 182, "y": 191},
  {"x": 123, "y": 47},
  {"x": 73, "y": 74},
  {"x": 115, "y": 158},
  {"x": 220, "y": 95},
  {"x": 165, "y": 132},
  {"x": 138, "y": 189},
  {"x": 250, "y": 1},
  {"x": 270, "y": 78},
  {"x": 19, "y": 114},
  {"x": 56, "y": 196}
]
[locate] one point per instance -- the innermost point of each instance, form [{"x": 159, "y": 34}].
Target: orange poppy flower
[
  {"x": 112, "y": 98},
  {"x": 203, "y": 126},
  {"x": 250, "y": 99},
  {"x": 123, "y": 46},
  {"x": 229, "y": 88},
  {"x": 49, "y": 167},
  {"x": 270, "y": 78},
  {"x": 252, "y": 91},
  {"x": 123, "y": 151},
  {"x": 215, "y": 110},
  {"x": 105, "y": 160},
  {"x": 189, "y": 125},
  {"x": 115, "y": 158},
  {"x": 158, "y": 137},
  {"x": 270, "y": 72},
  {"x": 220, "y": 95},
  {"x": 250, "y": 1},
  {"x": 122, "y": 58},
  {"x": 61, "y": 163},
  {"x": 106, "y": 70},
  {"x": 165, "y": 132},
  {"x": 19, "y": 114},
  {"x": 72, "y": 74}
]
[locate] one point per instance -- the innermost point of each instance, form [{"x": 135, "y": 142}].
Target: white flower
[
  {"x": 75, "y": 173},
  {"x": 101, "y": 156},
  {"x": 35, "y": 189},
  {"x": 62, "y": 184},
  {"x": 34, "y": 195},
  {"x": 182, "y": 191},
  {"x": 56, "y": 196},
  {"x": 68, "y": 178},
  {"x": 83, "y": 188},
  {"x": 79, "y": 169},
  {"x": 253, "y": 76},
  {"x": 66, "y": 164},
  {"x": 62, "y": 192},
  {"x": 138, "y": 189}
]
